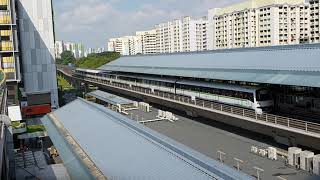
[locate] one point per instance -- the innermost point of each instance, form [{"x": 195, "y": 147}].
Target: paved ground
[
  {"x": 33, "y": 165},
  {"x": 208, "y": 137}
]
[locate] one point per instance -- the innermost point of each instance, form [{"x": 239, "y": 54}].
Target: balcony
[
  {"x": 5, "y": 17},
  {"x": 5, "y": 33},
  {"x": 4, "y": 2},
  {"x": 6, "y": 46}
]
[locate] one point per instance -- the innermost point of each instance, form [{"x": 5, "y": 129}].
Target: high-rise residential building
[
  {"x": 124, "y": 45},
  {"x": 169, "y": 37},
  {"x": 255, "y": 23},
  {"x": 314, "y": 21},
  {"x": 148, "y": 40},
  {"x": 120, "y": 45},
  {"x": 194, "y": 34},
  {"x": 9, "y": 53},
  {"x": 77, "y": 49},
  {"x": 37, "y": 47},
  {"x": 59, "y": 48}
]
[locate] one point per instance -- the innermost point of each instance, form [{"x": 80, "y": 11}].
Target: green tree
[
  {"x": 97, "y": 60},
  {"x": 66, "y": 58}
]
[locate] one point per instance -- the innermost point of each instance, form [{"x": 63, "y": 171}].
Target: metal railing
[{"x": 291, "y": 123}]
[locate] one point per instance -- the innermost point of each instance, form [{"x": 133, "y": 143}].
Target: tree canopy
[
  {"x": 66, "y": 58},
  {"x": 92, "y": 61},
  {"x": 97, "y": 60}
]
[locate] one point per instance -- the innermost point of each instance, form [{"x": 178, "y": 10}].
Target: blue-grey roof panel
[
  {"x": 110, "y": 98},
  {"x": 293, "y": 66},
  {"x": 124, "y": 149}
]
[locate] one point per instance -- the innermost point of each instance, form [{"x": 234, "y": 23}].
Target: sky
[{"x": 93, "y": 22}]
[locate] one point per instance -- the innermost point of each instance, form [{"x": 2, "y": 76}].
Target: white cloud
[{"x": 94, "y": 21}]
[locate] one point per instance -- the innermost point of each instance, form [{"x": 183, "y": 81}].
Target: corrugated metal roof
[
  {"x": 109, "y": 98},
  {"x": 293, "y": 65},
  {"x": 247, "y": 89},
  {"x": 124, "y": 149}
]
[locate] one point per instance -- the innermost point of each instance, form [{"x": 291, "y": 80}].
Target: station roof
[
  {"x": 109, "y": 98},
  {"x": 296, "y": 65},
  {"x": 125, "y": 149}
]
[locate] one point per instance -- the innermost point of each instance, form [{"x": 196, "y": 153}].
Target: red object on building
[{"x": 36, "y": 110}]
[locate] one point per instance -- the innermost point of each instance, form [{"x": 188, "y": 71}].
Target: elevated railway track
[{"x": 284, "y": 130}]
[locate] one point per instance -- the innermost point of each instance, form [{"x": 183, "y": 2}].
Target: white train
[{"x": 258, "y": 99}]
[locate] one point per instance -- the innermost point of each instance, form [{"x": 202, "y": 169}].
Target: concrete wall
[{"x": 37, "y": 47}]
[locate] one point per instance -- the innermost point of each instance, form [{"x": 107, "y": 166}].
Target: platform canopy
[
  {"x": 93, "y": 140},
  {"x": 296, "y": 65},
  {"x": 109, "y": 98}
]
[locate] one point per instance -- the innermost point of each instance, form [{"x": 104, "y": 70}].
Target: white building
[
  {"x": 314, "y": 20},
  {"x": 194, "y": 34},
  {"x": 77, "y": 49},
  {"x": 255, "y": 23},
  {"x": 59, "y": 48},
  {"x": 38, "y": 47},
  {"x": 120, "y": 45},
  {"x": 146, "y": 42},
  {"x": 169, "y": 37}
]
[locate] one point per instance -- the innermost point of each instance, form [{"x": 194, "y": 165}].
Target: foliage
[
  {"x": 17, "y": 125},
  {"x": 66, "y": 58},
  {"x": 64, "y": 84},
  {"x": 96, "y": 60},
  {"x": 35, "y": 128}
]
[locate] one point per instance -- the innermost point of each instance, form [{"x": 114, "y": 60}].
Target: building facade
[
  {"x": 314, "y": 21},
  {"x": 59, "y": 48},
  {"x": 120, "y": 45},
  {"x": 37, "y": 47},
  {"x": 9, "y": 52},
  {"x": 257, "y": 23},
  {"x": 169, "y": 37},
  {"x": 77, "y": 49},
  {"x": 148, "y": 41},
  {"x": 194, "y": 34}
]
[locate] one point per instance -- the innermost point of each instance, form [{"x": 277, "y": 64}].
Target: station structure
[
  {"x": 123, "y": 149},
  {"x": 270, "y": 90}
]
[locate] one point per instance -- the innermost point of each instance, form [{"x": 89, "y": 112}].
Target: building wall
[
  {"x": 169, "y": 37},
  {"x": 314, "y": 20},
  {"x": 9, "y": 54},
  {"x": 257, "y": 23},
  {"x": 194, "y": 34},
  {"x": 148, "y": 41},
  {"x": 37, "y": 47},
  {"x": 59, "y": 48}
]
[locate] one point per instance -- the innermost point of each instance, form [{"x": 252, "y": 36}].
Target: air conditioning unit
[
  {"x": 262, "y": 152},
  {"x": 294, "y": 156},
  {"x": 306, "y": 160},
  {"x": 272, "y": 153},
  {"x": 254, "y": 149},
  {"x": 316, "y": 164}
]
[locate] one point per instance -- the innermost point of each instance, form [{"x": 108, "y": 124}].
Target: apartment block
[
  {"x": 314, "y": 21},
  {"x": 37, "y": 45},
  {"x": 77, "y": 49},
  {"x": 194, "y": 34},
  {"x": 124, "y": 45},
  {"x": 9, "y": 52},
  {"x": 169, "y": 37},
  {"x": 257, "y": 23},
  {"x": 146, "y": 42},
  {"x": 59, "y": 48}
]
